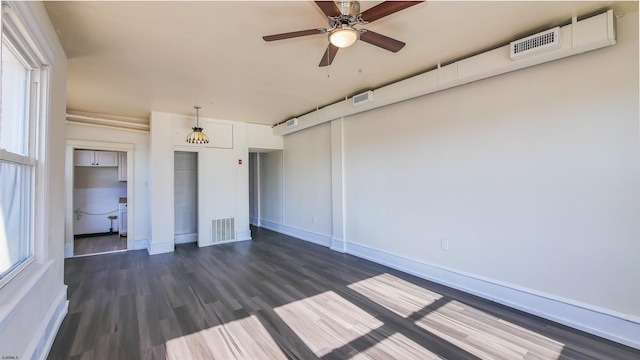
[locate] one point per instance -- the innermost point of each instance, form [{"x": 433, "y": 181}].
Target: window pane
[
  {"x": 14, "y": 128},
  {"x": 16, "y": 243}
]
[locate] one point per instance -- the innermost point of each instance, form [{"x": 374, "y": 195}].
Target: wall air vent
[
  {"x": 292, "y": 123},
  {"x": 364, "y": 98},
  {"x": 223, "y": 230},
  {"x": 535, "y": 44}
]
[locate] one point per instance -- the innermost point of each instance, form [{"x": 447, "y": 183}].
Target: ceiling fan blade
[
  {"x": 331, "y": 52},
  {"x": 294, "y": 34},
  {"x": 329, "y": 8},
  {"x": 386, "y": 8},
  {"x": 382, "y": 41}
]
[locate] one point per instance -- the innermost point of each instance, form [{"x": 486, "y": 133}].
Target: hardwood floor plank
[
  {"x": 277, "y": 297},
  {"x": 99, "y": 244}
]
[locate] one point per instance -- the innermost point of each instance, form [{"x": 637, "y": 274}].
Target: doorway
[
  {"x": 124, "y": 165},
  {"x": 185, "y": 197},
  {"x": 99, "y": 201}
]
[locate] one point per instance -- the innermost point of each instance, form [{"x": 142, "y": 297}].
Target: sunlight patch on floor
[
  {"x": 395, "y": 294},
  {"x": 240, "y": 339},
  {"x": 396, "y": 346},
  {"x": 471, "y": 329},
  {"x": 326, "y": 321}
]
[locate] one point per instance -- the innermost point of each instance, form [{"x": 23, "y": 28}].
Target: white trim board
[
  {"x": 338, "y": 245},
  {"x": 160, "y": 248},
  {"x": 185, "y": 238},
  {"x": 243, "y": 235},
  {"x": 309, "y": 236},
  {"x": 68, "y": 250},
  {"x": 46, "y": 334},
  {"x": 621, "y": 328}
]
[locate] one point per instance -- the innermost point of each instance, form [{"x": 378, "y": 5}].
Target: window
[
  {"x": 17, "y": 163},
  {"x": 20, "y": 145}
]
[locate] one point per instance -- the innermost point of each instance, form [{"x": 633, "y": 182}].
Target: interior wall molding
[
  {"x": 186, "y": 238},
  {"x": 108, "y": 121},
  {"x": 68, "y": 250},
  {"x": 243, "y": 235},
  {"x": 46, "y": 334},
  {"x": 160, "y": 248},
  {"x": 338, "y": 245},
  {"x": 309, "y": 236}
]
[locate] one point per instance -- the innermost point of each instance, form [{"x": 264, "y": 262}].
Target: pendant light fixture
[{"x": 197, "y": 136}]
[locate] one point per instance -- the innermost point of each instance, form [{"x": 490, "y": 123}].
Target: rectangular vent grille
[
  {"x": 223, "y": 230},
  {"x": 363, "y": 98},
  {"x": 534, "y": 44},
  {"x": 292, "y": 123}
]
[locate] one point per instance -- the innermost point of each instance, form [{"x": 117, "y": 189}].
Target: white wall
[
  {"x": 96, "y": 191},
  {"x": 271, "y": 183},
  {"x": 307, "y": 180},
  {"x": 532, "y": 177},
  {"x": 541, "y": 179},
  {"x": 260, "y": 137},
  {"x": 34, "y": 303}
]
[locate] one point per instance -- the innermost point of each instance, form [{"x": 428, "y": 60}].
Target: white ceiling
[{"x": 129, "y": 58}]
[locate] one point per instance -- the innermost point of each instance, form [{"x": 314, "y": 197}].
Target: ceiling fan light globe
[{"x": 344, "y": 37}]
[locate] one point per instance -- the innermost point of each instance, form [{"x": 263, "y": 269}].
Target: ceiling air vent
[
  {"x": 535, "y": 44},
  {"x": 364, "y": 98},
  {"x": 292, "y": 123}
]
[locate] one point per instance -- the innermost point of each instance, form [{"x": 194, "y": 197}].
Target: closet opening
[{"x": 185, "y": 197}]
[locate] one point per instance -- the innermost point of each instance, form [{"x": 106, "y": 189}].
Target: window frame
[{"x": 22, "y": 33}]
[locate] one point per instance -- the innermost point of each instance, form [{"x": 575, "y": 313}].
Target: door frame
[{"x": 73, "y": 144}]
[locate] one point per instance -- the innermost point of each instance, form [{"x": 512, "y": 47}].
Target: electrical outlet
[
  {"x": 313, "y": 219},
  {"x": 445, "y": 244}
]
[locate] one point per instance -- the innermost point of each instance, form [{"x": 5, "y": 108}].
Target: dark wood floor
[
  {"x": 99, "y": 244},
  {"x": 277, "y": 297}
]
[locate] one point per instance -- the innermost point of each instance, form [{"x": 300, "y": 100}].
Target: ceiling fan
[{"x": 342, "y": 21}]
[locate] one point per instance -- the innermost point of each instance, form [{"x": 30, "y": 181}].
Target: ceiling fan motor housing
[
  {"x": 349, "y": 14},
  {"x": 349, "y": 8}
]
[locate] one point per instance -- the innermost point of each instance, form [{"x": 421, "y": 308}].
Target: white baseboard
[
  {"x": 312, "y": 237},
  {"x": 140, "y": 244},
  {"x": 68, "y": 250},
  {"x": 160, "y": 248},
  {"x": 46, "y": 333},
  {"x": 254, "y": 221},
  {"x": 243, "y": 235},
  {"x": 338, "y": 245},
  {"x": 185, "y": 238},
  {"x": 618, "y": 327}
]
